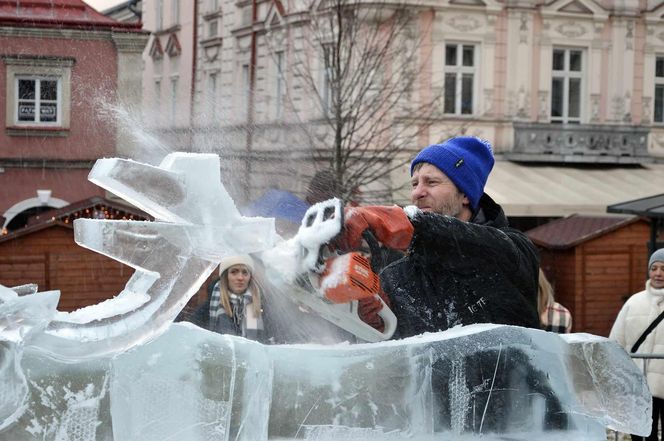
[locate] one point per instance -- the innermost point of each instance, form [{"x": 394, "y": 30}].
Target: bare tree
[{"x": 366, "y": 66}]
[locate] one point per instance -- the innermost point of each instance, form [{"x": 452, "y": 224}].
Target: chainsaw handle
[{"x": 389, "y": 319}]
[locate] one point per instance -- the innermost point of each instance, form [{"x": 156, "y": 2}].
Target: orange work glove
[
  {"x": 368, "y": 309},
  {"x": 390, "y": 225}
]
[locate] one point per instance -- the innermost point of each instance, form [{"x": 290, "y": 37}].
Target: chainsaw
[{"x": 332, "y": 284}]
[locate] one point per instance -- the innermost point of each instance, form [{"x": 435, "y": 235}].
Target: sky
[{"x": 101, "y": 5}]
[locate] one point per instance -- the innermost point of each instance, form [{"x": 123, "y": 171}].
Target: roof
[
  {"x": 558, "y": 190},
  {"x": 576, "y": 229},
  {"x": 57, "y": 13},
  {"x": 651, "y": 206},
  {"x": 278, "y": 204},
  {"x": 95, "y": 207}
]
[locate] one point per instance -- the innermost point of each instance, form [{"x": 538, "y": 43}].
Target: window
[
  {"x": 157, "y": 93},
  {"x": 38, "y": 100},
  {"x": 459, "y": 78},
  {"x": 326, "y": 78},
  {"x": 280, "y": 84},
  {"x": 245, "y": 91},
  {"x": 159, "y": 15},
  {"x": 659, "y": 89},
  {"x": 175, "y": 12},
  {"x": 566, "y": 86},
  {"x": 213, "y": 28},
  {"x": 38, "y": 92},
  {"x": 212, "y": 96},
  {"x": 174, "y": 99}
]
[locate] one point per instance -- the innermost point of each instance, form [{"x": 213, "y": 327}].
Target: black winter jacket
[{"x": 461, "y": 273}]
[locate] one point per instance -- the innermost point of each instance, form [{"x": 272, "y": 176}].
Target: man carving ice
[{"x": 463, "y": 264}]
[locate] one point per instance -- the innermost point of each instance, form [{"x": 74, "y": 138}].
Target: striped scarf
[
  {"x": 247, "y": 324},
  {"x": 556, "y": 318}
]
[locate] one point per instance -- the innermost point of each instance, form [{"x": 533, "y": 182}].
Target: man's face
[
  {"x": 434, "y": 192},
  {"x": 656, "y": 274}
]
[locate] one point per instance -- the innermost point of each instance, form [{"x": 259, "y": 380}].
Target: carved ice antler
[{"x": 196, "y": 224}]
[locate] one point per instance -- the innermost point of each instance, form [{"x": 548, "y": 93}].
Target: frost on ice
[
  {"x": 499, "y": 382},
  {"x": 120, "y": 370}
]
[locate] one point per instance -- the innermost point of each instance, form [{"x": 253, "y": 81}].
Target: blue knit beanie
[
  {"x": 466, "y": 160},
  {"x": 657, "y": 256}
]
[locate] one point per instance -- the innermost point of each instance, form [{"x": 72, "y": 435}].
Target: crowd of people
[{"x": 453, "y": 260}]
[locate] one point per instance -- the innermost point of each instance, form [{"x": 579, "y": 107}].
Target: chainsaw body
[{"x": 332, "y": 284}]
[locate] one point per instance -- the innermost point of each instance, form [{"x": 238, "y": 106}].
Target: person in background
[
  {"x": 635, "y": 318},
  {"x": 554, "y": 317},
  {"x": 234, "y": 307}
]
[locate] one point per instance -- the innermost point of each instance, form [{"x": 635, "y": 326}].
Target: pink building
[{"x": 61, "y": 65}]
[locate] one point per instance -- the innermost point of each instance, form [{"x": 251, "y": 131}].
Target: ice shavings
[{"x": 123, "y": 303}]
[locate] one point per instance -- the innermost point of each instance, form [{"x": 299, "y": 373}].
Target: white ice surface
[{"x": 483, "y": 382}]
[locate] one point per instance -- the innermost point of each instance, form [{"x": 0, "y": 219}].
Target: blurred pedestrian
[
  {"x": 637, "y": 328},
  {"x": 234, "y": 306}
]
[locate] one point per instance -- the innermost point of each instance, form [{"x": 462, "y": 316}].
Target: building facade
[
  {"x": 63, "y": 67},
  {"x": 559, "y": 87},
  {"x": 169, "y": 69}
]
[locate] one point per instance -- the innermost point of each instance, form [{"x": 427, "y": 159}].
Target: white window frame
[
  {"x": 459, "y": 70},
  {"x": 659, "y": 82},
  {"x": 566, "y": 74},
  {"x": 38, "y": 69},
  {"x": 37, "y": 101}
]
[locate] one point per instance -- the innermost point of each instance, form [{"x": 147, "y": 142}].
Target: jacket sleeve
[
  {"x": 617, "y": 333},
  {"x": 465, "y": 247}
]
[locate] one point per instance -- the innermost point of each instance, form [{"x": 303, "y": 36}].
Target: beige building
[
  {"x": 569, "y": 92},
  {"x": 168, "y": 72}
]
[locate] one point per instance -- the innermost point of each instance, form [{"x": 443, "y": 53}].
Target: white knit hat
[
  {"x": 657, "y": 256},
  {"x": 241, "y": 259}
]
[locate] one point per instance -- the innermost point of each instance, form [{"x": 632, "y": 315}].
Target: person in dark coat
[{"x": 463, "y": 263}]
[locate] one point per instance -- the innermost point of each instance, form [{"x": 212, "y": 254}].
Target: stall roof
[
  {"x": 651, "y": 206},
  {"x": 574, "y": 230},
  {"x": 546, "y": 190}
]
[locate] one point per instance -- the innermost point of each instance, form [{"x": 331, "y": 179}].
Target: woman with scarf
[{"x": 234, "y": 307}]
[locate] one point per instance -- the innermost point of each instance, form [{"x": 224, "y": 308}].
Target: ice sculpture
[
  {"x": 196, "y": 224},
  {"x": 499, "y": 382},
  {"x": 119, "y": 371},
  {"x": 21, "y": 318}
]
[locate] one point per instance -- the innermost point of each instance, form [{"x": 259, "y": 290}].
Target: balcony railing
[{"x": 579, "y": 143}]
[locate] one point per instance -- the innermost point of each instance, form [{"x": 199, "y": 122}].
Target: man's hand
[
  {"x": 390, "y": 225},
  {"x": 369, "y": 308}
]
